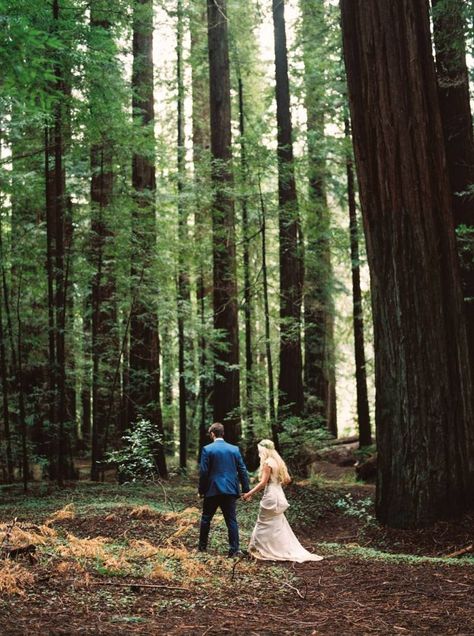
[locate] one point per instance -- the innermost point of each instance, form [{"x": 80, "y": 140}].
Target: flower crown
[{"x": 267, "y": 443}]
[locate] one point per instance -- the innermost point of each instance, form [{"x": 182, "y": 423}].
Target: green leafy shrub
[
  {"x": 300, "y": 439},
  {"x": 360, "y": 509},
  {"x": 136, "y": 460}
]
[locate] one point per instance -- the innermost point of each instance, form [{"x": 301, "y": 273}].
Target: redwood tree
[
  {"x": 144, "y": 383},
  {"x": 290, "y": 383},
  {"x": 423, "y": 385},
  {"x": 363, "y": 414},
  {"x": 226, "y": 378},
  {"x": 201, "y": 142},
  {"x": 319, "y": 359},
  {"x": 105, "y": 346}
]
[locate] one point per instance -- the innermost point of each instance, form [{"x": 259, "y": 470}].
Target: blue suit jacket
[{"x": 221, "y": 469}]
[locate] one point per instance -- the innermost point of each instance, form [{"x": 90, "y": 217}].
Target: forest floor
[{"x": 113, "y": 559}]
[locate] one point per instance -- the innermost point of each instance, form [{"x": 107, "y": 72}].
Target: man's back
[{"x": 221, "y": 470}]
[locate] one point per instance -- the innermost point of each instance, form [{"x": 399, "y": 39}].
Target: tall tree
[
  {"x": 251, "y": 455},
  {"x": 5, "y": 381},
  {"x": 363, "y": 415},
  {"x": 319, "y": 359},
  {"x": 449, "y": 29},
  {"x": 266, "y": 310},
  {"x": 183, "y": 295},
  {"x": 424, "y": 412},
  {"x": 144, "y": 391},
  {"x": 104, "y": 315},
  {"x": 55, "y": 176},
  {"x": 226, "y": 378},
  {"x": 290, "y": 385},
  {"x": 201, "y": 142}
]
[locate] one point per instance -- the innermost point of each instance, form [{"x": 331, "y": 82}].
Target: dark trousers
[{"x": 227, "y": 504}]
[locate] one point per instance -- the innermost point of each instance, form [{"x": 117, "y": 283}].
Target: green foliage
[
  {"x": 136, "y": 460},
  {"x": 361, "y": 509},
  {"x": 300, "y": 438}
]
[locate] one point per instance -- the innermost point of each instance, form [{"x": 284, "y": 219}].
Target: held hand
[{"x": 246, "y": 496}]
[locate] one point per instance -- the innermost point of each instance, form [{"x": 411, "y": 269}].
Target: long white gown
[{"x": 272, "y": 538}]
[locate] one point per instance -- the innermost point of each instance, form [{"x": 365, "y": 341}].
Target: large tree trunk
[
  {"x": 363, "y": 415},
  {"x": 453, "y": 89},
  {"x": 319, "y": 362},
  {"x": 290, "y": 400},
  {"x": 226, "y": 378},
  {"x": 423, "y": 384},
  {"x": 144, "y": 392}
]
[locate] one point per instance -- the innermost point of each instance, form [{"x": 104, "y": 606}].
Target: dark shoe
[
  {"x": 200, "y": 549},
  {"x": 237, "y": 554}
]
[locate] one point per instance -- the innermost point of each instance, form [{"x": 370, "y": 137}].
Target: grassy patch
[{"x": 350, "y": 550}]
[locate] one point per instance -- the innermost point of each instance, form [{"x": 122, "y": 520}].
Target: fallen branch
[
  {"x": 11, "y": 552},
  {"x": 466, "y": 550},
  {"x": 292, "y": 587},
  {"x": 147, "y": 585}
]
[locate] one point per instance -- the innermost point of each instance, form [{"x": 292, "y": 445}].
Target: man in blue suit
[{"x": 221, "y": 469}]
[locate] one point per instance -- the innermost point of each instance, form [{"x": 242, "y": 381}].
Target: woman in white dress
[{"x": 272, "y": 538}]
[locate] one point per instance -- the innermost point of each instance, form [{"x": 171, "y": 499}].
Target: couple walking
[{"x": 221, "y": 470}]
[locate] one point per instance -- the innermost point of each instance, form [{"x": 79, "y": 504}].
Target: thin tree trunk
[
  {"x": 423, "y": 386},
  {"x": 60, "y": 297},
  {"x": 363, "y": 415},
  {"x": 183, "y": 296},
  {"x": 144, "y": 336},
  {"x": 266, "y": 306},
  {"x": 226, "y": 377},
  {"x": 21, "y": 393},
  {"x": 251, "y": 452},
  {"x": 50, "y": 248},
  {"x": 4, "y": 379},
  {"x": 290, "y": 385}
]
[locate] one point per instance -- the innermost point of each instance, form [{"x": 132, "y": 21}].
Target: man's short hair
[{"x": 217, "y": 428}]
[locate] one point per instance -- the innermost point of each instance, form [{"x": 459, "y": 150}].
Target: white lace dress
[{"x": 272, "y": 538}]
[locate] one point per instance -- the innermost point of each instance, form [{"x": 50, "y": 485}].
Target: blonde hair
[{"x": 266, "y": 450}]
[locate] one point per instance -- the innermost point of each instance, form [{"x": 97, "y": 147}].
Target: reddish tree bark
[
  {"x": 290, "y": 385},
  {"x": 363, "y": 415},
  {"x": 423, "y": 385},
  {"x": 144, "y": 381},
  {"x": 226, "y": 326},
  {"x": 319, "y": 359}
]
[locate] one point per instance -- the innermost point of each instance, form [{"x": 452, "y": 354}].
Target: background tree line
[{"x": 180, "y": 240}]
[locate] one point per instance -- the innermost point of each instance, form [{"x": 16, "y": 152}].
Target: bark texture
[
  {"x": 423, "y": 384},
  {"x": 201, "y": 144},
  {"x": 363, "y": 414},
  {"x": 290, "y": 385},
  {"x": 105, "y": 345},
  {"x": 226, "y": 378},
  {"x": 144, "y": 382},
  {"x": 319, "y": 359}
]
